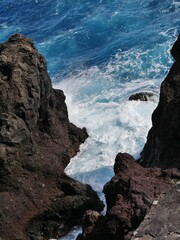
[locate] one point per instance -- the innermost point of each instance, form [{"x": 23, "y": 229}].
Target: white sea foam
[
  {"x": 79, "y": 34},
  {"x": 73, "y": 234},
  {"x": 97, "y": 98},
  {"x": 176, "y": 3},
  {"x": 114, "y": 124}
]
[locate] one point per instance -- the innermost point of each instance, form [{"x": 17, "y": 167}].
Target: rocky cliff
[
  {"x": 37, "y": 199},
  {"x": 129, "y": 195},
  {"x": 162, "y": 148},
  {"x": 135, "y": 189}
]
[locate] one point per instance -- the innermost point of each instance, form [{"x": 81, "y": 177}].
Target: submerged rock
[
  {"x": 162, "y": 148},
  {"x": 37, "y": 199}
]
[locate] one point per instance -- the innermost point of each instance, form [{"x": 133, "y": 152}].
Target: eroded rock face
[
  {"x": 36, "y": 143},
  {"x": 129, "y": 195},
  {"x": 162, "y": 148}
]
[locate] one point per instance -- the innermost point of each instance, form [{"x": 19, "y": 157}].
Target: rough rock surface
[
  {"x": 89, "y": 221},
  {"x": 143, "y": 96},
  {"x": 163, "y": 220},
  {"x": 129, "y": 195},
  {"x": 135, "y": 189},
  {"x": 37, "y": 199},
  {"x": 162, "y": 148}
]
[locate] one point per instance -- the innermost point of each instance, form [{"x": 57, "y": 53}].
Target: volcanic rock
[
  {"x": 175, "y": 51},
  {"x": 37, "y": 199},
  {"x": 135, "y": 189},
  {"x": 89, "y": 221},
  {"x": 162, "y": 221},
  {"x": 162, "y": 148},
  {"x": 142, "y": 96},
  {"x": 129, "y": 195}
]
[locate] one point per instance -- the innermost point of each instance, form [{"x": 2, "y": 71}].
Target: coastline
[{"x": 33, "y": 119}]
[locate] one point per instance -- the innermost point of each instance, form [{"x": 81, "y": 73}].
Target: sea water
[{"x": 100, "y": 52}]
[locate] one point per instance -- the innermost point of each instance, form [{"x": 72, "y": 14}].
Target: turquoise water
[{"x": 100, "y": 52}]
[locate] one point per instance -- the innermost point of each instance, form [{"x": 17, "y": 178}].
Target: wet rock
[
  {"x": 162, "y": 148},
  {"x": 37, "y": 199},
  {"x": 143, "y": 96}
]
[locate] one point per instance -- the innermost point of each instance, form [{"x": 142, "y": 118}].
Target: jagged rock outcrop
[
  {"x": 162, "y": 148},
  {"x": 89, "y": 221},
  {"x": 37, "y": 199},
  {"x": 129, "y": 195},
  {"x": 135, "y": 189}
]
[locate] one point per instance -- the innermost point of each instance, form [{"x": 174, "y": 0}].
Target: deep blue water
[
  {"x": 78, "y": 34},
  {"x": 99, "y": 52}
]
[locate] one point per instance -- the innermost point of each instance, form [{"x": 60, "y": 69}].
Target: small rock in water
[{"x": 142, "y": 96}]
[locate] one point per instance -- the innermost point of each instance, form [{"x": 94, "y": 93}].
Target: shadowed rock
[
  {"x": 37, "y": 199},
  {"x": 175, "y": 51},
  {"x": 89, "y": 222},
  {"x": 162, "y": 148}
]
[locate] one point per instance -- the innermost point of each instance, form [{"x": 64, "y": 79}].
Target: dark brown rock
[
  {"x": 162, "y": 148},
  {"x": 162, "y": 221},
  {"x": 129, "y": 195},
  {"x": 94, "y": 227},
  {"x": 36, "y": 143},
  {"x": 89, "y": 221},
  {"x": 66, "y": 211},
  {"x": 142, "y": 96}
]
